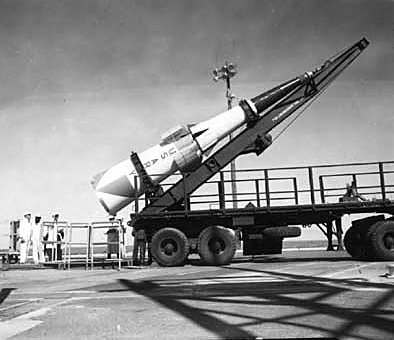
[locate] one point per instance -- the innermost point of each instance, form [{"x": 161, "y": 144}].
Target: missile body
[{"x": 183, "y": 148}]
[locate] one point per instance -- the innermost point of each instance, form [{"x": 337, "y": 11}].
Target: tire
[
  {"x": 216, "y": 245},
  {"x": 169, "y": 247},
  {"x": 381, "y": 241},
  {"x": 282, "y": 232},
  {"x": 357, "y": 242}
]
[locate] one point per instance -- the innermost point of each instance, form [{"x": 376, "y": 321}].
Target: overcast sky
[{"x": 86, "y": 82}]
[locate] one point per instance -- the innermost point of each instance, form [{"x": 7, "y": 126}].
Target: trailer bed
[{"x": 288, "y": 195}]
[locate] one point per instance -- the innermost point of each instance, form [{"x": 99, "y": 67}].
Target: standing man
[
  {"x": 37, "y": 235},
  {"x": 50, "y": 237},
  {"x": 25, "y": 231},
  {"x": 58, "y": 236},
  {"x": 141, "y": 245},
  {"x": 112, "y": 238}
]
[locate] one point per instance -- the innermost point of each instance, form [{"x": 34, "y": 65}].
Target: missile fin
[
  {"x": 94, "y": 181},
  {"x": 199, "y": 133}
]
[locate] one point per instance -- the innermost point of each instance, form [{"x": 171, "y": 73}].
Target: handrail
[{"x": 293, "y": 184}]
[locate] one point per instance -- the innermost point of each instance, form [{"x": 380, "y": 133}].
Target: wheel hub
[
  {"x": 216, "y": 245},
  {"x": 389, "y": 242},
  {"x": 169, "y": 247}
]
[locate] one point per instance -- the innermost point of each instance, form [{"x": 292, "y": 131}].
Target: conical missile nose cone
[
  {"x": 113, "y": 188},
  {"x": 118, "y": 187},
  {"x": 113, "y": 203}
]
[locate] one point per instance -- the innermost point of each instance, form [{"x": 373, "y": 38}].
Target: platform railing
[
  {"x": 77, "y": 247},
  {"x": 282, "y": 186},
  {"x": 55, "y": 243},
  {"x": 117, "y": 228}
]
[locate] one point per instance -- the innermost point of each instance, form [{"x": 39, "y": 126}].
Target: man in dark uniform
[
  {"x": 139, "y": 246},
  {"x": 112, "y": 239}
]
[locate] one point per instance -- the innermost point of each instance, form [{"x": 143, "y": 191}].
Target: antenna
[{"x": 226, "y": 72}]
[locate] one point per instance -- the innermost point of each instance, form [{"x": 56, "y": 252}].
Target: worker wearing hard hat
[
  {"x": 25, "y": 231},
  {"x": 37, "y": 236}
]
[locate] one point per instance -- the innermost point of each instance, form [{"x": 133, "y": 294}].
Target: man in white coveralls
[
  {"x": 37, "y": 235},
  {"x": 25, "y": 231}
]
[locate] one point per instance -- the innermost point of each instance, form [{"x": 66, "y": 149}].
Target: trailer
[
  {"x": 175, "y": 227},
  {"x": 272, "y": 204}
]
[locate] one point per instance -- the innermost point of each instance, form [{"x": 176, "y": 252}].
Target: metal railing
[
  {"x": 118, "y": 244},
  {"x": 303, "y": 185},
  {"x": 55, "y": 245},
  {"x": 78, "y": 250},
  {"x": 79, "y": 243}
]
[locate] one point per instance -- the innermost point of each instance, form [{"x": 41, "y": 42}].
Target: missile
[{"x": 183, "y": 148}]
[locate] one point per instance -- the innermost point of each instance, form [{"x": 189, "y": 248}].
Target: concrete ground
[{"x": 300, "y": 294}]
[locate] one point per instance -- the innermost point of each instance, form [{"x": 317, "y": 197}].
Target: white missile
[{"x": 182, "y": 148}]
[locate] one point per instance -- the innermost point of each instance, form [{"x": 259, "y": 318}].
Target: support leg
[
  {"x": 135, "y": 251},
  {"x": 330, "y": 247},
  {"x": 339, "y": 233}
]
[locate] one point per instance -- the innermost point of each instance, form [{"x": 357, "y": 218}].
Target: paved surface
[{"x": 309, "y": 294}]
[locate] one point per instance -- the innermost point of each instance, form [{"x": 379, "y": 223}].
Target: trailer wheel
[
  {"x": 381, "y": 240},
  {"x": 169, "y": 247},
  {"x": 216, "y": 245},
  {"x": 356, "y": 242},
  {"x": 282, "y": 232}
]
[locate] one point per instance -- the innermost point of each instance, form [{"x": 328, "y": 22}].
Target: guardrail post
[
  {"x": 267, "y": 188},
  {"x": 321, "y": 183},
  {"x": 88, "y": 250},
  {"x": 295, "y": 187},
  {"x": 92, "y": 250},
  {"x": 382, "y": 184},
  {"x": 256, "y": 182},
  {"x": 120, "y": 252},
  {"x": 67, "y": 246},
  {"x": 311, "y": 186}
]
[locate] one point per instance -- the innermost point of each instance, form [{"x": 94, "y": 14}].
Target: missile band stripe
[
  {"x": 252, "y": 106},
  {"x": 250, "y": 110}
]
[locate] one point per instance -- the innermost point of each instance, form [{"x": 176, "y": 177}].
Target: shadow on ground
[
  {"x": 178, "y": 295},
  {"x": 4, "y": 293}
]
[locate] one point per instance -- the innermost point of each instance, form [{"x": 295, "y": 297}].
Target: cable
[{"x": 300, "y": 113}]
